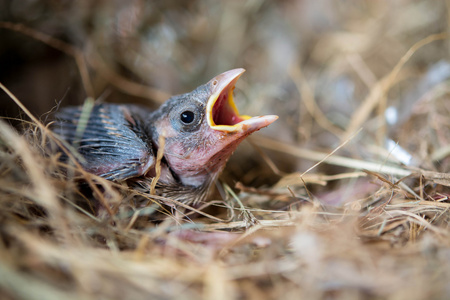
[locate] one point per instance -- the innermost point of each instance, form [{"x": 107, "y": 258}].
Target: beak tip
[
  {"x": 271, "y": 118},
  {"x": 257, "y": 123}
]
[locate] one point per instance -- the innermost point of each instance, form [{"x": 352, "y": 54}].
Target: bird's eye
[{"x": 187, "y": 117}]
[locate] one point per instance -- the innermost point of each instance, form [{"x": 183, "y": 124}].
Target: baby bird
[{"x": 197, "y": 133}]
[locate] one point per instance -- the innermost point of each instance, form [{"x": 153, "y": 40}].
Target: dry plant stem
[
  {"x": 81, "y": 209},
  {"x": 241, "y": 238},
  {"x": 439, "y": 178},
  {"x": 332, "y": 160},
  {"x": 59, "y": 45},
  {"x": 342, "y": 176},
  {"x": 168, "y": 200},
  {"x": 440, "y": 153},
  {"x": 310, "y": 196},
  {"x": 307, "y": 96},
  {"x": 49, "y": 133},
  {"x": 100, "y": 260},
  {"x": 421, "y": 187},
  {"x": 249, "y": 218},
  {"x": 383, "y": 86},
  {"x": 419, "y": 220},
  {"x": 244, "y": 224},
  {"x": 159, "y": 156},
  {"x": 216, "y": 283},
  {"x": 331, "y": 153},
  {"x": 431, "y": 204},
  {"x": 44, "y": 193},
  {"x": 16, "y": 282},
  {"x": 361, "y": 68}
]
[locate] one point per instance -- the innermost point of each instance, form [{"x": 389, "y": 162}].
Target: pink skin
[
  {"x": 210, "y": 156},
  {"x": 207, "y": 158},
  {"x": 214, "y": 147}
]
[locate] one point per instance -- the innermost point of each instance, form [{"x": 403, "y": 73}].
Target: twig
[
  {"x": 332, "y": 160},
  {"x": 383, "y": 85}
]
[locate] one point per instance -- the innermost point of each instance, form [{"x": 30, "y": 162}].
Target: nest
[{"x": 347, "y": 196}]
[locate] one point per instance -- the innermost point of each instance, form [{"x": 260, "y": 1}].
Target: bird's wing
[{"x": 112, "y": 142}]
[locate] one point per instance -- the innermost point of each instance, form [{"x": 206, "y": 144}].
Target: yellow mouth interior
[{"x": 222, "y": 112}]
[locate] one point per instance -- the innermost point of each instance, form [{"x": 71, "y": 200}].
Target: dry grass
[{"x": 328, "y": 207}]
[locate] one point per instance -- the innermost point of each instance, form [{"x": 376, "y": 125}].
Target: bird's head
[{"x": 201, "y": 129}]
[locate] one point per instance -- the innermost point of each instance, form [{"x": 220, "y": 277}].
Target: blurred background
[
  {"x": 313, "y": 63},
  {"x": 327, "y": 68}
]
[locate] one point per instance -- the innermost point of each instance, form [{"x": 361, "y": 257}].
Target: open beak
[{"x": 221, "y": 111}]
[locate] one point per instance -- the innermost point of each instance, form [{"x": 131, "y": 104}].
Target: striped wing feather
[{"x": 113, "y": 143}]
